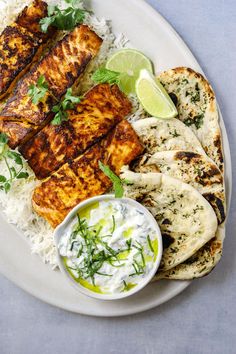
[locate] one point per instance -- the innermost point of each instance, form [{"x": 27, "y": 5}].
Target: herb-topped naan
[
  {"x": 195, "y": 169},
  {"x": 187, "y": 221},
  {"x": 166, "y": 134},
  {"x": 202, "y": 173},
  {"x": 200, "y": 264},
  {"x": 197, "y": 108}
]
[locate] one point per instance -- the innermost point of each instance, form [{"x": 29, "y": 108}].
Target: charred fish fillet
[
  {"x": 21, "y": 119},
  {"x": 103, "y": 107},
  {"x": 81, "y": 179},
  {"x": 20, "y": 44}
]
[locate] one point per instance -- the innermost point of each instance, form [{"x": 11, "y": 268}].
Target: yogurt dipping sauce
[{"x": 109, "y": 247}]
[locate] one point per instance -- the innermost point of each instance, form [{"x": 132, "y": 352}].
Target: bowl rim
[{"x": 58, "y": 232}]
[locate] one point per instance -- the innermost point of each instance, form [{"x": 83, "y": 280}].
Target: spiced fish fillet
[
  {"x": 62, "y": 66},
  {"x": 80, "y": 179},
  {"x": 103, "y": 107},
  {"x": 20, "y": 44}
]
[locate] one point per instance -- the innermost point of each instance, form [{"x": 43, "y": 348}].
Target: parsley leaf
[
  {"x": 64, "y": 19},
  {"x": 59, "y": 117},
  {"x": 14, "y": 173},
  {"x": 70, "y": 100},
  {"x": 103, "y": 75},
  {"x": 37, "y": 92},
  {"x": 117, "y": 182}
]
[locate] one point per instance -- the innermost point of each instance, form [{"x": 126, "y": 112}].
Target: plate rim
[{"x": 182, "y": 285}]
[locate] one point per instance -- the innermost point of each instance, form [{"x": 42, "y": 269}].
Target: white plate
[{"x": 150, "y": 33}]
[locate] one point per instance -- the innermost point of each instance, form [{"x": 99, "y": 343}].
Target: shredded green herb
[
  {"x": 94, "y": 257},
  {"x": 114, "y": 224},
  {"x": 150, "y": 243}
]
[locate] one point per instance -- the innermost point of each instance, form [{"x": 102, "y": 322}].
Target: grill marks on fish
[
  {"x": 21, "y": 45},
  {"x": 103, "y": 107},
  {"x": 61, "y": 67},
  {"x": 82, "y": 178}
]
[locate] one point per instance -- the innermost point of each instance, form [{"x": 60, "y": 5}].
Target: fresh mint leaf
[
  {"x": 103, "y": 75},
  {"x": 117, "y": 182}
]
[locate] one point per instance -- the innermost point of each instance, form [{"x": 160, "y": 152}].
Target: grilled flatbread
[
  {"x": 195, "y": 169},
  {"x": 197, "y": 108},
  {"x": 161, "y": 135},
  {"x": 200, "y": 172},
  {"x": 200, "y": 264},
  {"x": 187, "y": 221}
]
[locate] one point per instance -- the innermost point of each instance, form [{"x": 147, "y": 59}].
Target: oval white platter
[{"x": 150, "y": 33}]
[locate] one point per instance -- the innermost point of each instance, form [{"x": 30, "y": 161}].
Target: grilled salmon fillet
[
  {"x": 101, "y": 109},
  {"x": 21, "y": 119},
  {"x": 80, "y": 179},
  {"x": 21, "y": 44}
]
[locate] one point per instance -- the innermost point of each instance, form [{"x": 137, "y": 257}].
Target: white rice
[{"x": 16, "y": 205}]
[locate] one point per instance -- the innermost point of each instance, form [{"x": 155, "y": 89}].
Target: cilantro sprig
[
  {"x": 64, "y": 19},
  {"x": 38, "y": 92},
  {"x": 117, "y": 182},
  {"x": 103, "y": 75},
  {"x": 61, "y": 108},
  {"x": 13, "y": 162}
]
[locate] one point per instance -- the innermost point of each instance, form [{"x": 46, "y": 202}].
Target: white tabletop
[{"x": 202, "y": 319}]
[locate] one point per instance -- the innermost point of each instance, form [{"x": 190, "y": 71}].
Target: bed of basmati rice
[{"x": 16, "y": 205}]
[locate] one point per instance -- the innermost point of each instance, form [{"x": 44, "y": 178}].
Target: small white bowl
[{"x": 59, "y": 232}]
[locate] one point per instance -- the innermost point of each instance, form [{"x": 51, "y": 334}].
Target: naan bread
[
  {"x": 197, "y": 108},
  {"x": 204, "y": 175},
  {"x": 195, "y": 169},
  {"x": 162, "y": 134},
  {"x": 186, "y": 219},
  {"x": 200, "y": 264}
]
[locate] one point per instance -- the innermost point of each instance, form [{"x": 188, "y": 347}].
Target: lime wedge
[
  {"x": 153, "y": 97},
  {"x": 128, "y": 62}
]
